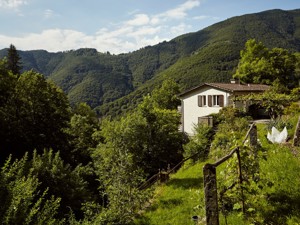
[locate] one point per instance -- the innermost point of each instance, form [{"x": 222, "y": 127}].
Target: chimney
[{"x": 233, "y": 81}]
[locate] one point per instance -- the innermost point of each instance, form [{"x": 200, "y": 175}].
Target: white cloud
[
  {"x": 139, "y": 20},
  {"x": 141, "y": 30},
  {"x": 48, "y": 13},
  {"x": 180, "y": 12},
  {"x": 12, "y": 4},
  {"x": 203, "y": 17},
  {"x": 144, "y": 31},
  {"x": 179, "y": 29}
]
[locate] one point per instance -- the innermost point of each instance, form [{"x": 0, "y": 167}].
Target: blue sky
[{"x": 117, "y": 26}]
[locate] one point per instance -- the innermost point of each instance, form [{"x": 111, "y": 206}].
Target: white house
[{"x": 198, "y": 103}]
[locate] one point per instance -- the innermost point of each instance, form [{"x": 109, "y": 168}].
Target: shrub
[{"x": 199, "y": 143}]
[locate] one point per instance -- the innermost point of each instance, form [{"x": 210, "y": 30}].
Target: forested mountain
[{"x": 113, "y": 83}]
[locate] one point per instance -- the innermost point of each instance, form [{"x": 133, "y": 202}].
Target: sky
[{"x": 115, "y": 26}]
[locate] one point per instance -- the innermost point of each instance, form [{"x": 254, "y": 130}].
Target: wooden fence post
[
  {"x": 253, "y": 137},
  {"x": 297, "y": 134},
  {"x": 211, "y": 195}
]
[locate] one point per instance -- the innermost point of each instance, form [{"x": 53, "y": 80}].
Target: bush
[{"x": 198, "y": 147}]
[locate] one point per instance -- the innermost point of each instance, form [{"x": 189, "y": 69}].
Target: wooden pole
[
  {"x": 296, "y": 141},
  {"x": 211, "y": 195},
  {"x": 240, "y": 179}
]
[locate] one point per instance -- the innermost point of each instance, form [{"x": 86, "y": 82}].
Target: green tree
[
  {"x": 120, "y": 178},
  {"x": 199, "y": 143},
  {"x": 272, "y": 101},
  {"x": 37, "y": 112},
  {"x": 83, "y": 125},
  {"x": 275, "y": 67},
  {"x": 150, "y": 133},
  {"x": 165, "y": 97},
  {"x": 7, "y": 89},
  {"x": 13, "y": 60},
  {"x": 134, "y": 147},
  {"x": 22, "y": 202},
  {"x": 161, "y": 139},
  {"x": 7, "y": 83},
  {"x": 63, "y": 181}
]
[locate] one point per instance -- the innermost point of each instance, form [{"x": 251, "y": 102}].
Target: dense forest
[
  {"x": 62, "y": 164},
  {"x": 112, "y": 84}
]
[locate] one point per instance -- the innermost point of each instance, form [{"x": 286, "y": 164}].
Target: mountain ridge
[{"x": 113, "y": 84}]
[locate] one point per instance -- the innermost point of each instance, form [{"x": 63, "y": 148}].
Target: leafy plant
[{"x": 199, "y": 144}]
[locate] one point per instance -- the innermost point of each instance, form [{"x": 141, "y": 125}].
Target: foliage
[
  {"x": 258, "y": 64},
  {"x": 199, "y": 144},
  {"x": 270, "y": 191},
  {"x": 279, "y": 123},
  {"x": 151, "y": 133},
  {"x": 292, "y": 109},
  {"x": 162, "y": 143},
  {"x": 35, "y": 112},
  {"x": 7, "y": 80},
  {"x": 63, "y": 181},
  {"x": 13, "y": 60},
  {"x": 229, "y": 134},
  {"x": 134, "y": 147},
  {"x": 121, "y": 179},
  {"x": 165, "y": 97},
  {"x": 83, "y": 125},
  {"x": 178, "y": 200},
  {"x": 115, "y": 84},
  {"x": 22, "y": 200},
  {"x": 45, "y": 189},
  {"x": 281, "y": 170},
  {"x": 275, "y": 103}
]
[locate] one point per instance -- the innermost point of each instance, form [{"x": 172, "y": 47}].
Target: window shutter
[
  {"x": 210, "y": 100},
  {"x": 221, "y": 100},
  {"x": 200, "y": 100}
]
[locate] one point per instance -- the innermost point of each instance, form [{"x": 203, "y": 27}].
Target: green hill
[
  {"x": 114, "y": 83},
  {"x": 273, "y": 198}
]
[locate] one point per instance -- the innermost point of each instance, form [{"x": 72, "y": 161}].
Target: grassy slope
[
  {"x": 177, "y": 200},
  {"x": 183, "y": 196}
]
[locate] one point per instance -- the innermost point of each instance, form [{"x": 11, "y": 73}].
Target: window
[
  {"x": 202, "y": 100},
  {"x": 216, "y": 100},
  {"x": 208, "y": 120}
]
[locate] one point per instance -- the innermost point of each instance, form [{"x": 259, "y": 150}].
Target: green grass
[
  {"x": 178, "y": 200},
  {"x": 276, "y": 201}
]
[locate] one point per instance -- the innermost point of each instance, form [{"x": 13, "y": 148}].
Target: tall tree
[
  {"x": 151, "y": 133},
  {"x": 259, "y": 64},
  {"x": 83, "y": 125},
  {"x": 13, "y": 60},
  {"x": 37, "y": 114}
]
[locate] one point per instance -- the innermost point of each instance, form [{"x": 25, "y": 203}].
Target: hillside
[
  {"x": 275, "y": 199},
  {"x": 113, "y": 83}
]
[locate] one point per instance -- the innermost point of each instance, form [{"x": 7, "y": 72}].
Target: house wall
[{"x": 191, "y": 110}]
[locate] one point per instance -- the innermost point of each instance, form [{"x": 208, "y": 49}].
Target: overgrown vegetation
[{"x": 60, "y": 164}]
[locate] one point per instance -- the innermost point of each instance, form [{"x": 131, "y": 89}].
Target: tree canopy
[{"x": 276, "y": 66}]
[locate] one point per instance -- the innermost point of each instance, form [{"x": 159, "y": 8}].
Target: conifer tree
[{"x": 13, "y": 60}]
